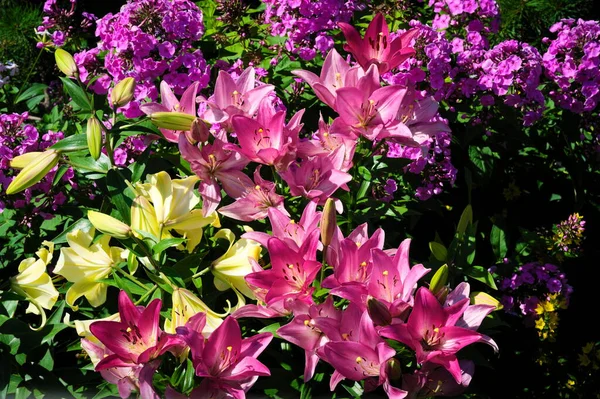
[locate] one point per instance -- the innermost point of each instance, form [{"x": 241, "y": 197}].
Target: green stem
[
  {"x": 28, "y": 75},
  {"x": 146, "y": 295},
  {"x": 131, "y": 278},
  {"x": 147, "y": 253},
  {"x": 200, "y": 273}
]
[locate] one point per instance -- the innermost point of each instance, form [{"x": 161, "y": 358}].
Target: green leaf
[
  {"x": 76, "y": 142},
  {"x": 88, "y": 164},
  {"x": 480, "y": 273},
  {"x": 364, "y": 173},
  {"x": 116, "y": 192},
  {"x": 47, "y": 361},
  {"x": 188, "y": 377},
  {"x": 465, "y": 220},
  {"x": 77, "y": 94},
  {"x": 35, "y": 90},
  {"x": 498, "y": 241},
  {"x": 439, "y": 251},
  {"x": 167, "y": 243}
]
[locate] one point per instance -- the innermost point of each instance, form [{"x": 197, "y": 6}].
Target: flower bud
[
  {"x": 394, "y": 371},
  {"x": 173, "y": 120},
  {"x": 34, "y": 171},
  {"x": 378, "y": 312},
  {"x": 21, "y": 161},
  {"x": 122, "y": 93},
  {"x": 66, "y": 63},
  {"x": 109, "y": 225},
  {"x": 328, "y": 222},
  {"x": 94, "y": 137},
  {"x": 439, "y": 279},
  {"x": 199, "y": 132}
]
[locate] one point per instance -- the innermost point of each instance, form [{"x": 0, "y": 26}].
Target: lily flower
[
  {"x": 173, "y": 203},
  {"x": 213, "y": 165},
  {"x": 235, "y": 97},
  {"x": 186, "y": 305},
  {"x": 291, "y": 273},
  {"x": 170, "y": 103},
  {"x": 136, "y": 338},
  {"x": 255, "y": 203},
  {"x": 86, "y": 263},
  {"x": 369, "y": 358},
  {"x": 226, "y": 362},
  {"x": 34, "y": 283},
  {"x": 376, "y": 48},
  {"x": 231, "y": 269},
  {"x": 431, "y": 332}
]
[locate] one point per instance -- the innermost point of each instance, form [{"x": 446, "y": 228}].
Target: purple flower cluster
[
  {"x": 432, "y": 161},
  {"x": 532, "y": 284},
  {"x": 305, "y": 23},
  {"x": 7, "y": 70},
  {"x": 568, "y": 234},
  {"x": 131, "y": 148},
  {"x": 513, "y": 70},
  {"x": 149, "y": 40},
  {"x": 572, "y": 63},
  {"x": 17, "y": 138},
  {"x": 475, "y": 15},
  {"x": 59, "y": 22}
]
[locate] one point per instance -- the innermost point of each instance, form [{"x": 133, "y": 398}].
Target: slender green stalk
[{"x": 28, "y": 75}]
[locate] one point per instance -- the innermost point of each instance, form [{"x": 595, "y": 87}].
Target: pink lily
[
  {"x": 352, "y": 264},
  {"x": 187, "y": 105},
  {"x": 431, "y": 332},
  {"x": 215, "y": 165},
  {"x": 393, "y": 280},
  {"x": 135, "y": 339},
  {"x": 317, "y": 177},
  {"x": 376, "y": 48},
  {"x": 256, "y": 201},
  {"x": 235, "y": 97},
  {"x": 227, "y": 362},
  {"x": 372, "y": 115},
  {"x": 369, "y": 358},
  {"x": 291, "y": 273},
  {"x": 302, "y": 331},
  {"x": 265, "y": 139},
  {"x": 125, "y": 378},
  {"x": 293, "y": 233},
  {"x": 434, "y": 380}
]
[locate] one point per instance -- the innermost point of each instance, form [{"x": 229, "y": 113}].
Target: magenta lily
[
  {"x": 256, "y": 201},
  {"x": 291, "y": 273},
  {"x": 303, "y": 331},
  {"x": 170, "y": 103},
  {"x": 233, "y": 97},
  {"x": 317, "y": 178},
  {"x": 368, "y": 358},
  {"x": 226, "y": 361},
  {"x": 135, "y": 339},
  {"x": 293, "y": 233},
  {"x": 215, "y": 165},
  {"x": 431, "y": 332},
  {"x": 376, "y": 48}
]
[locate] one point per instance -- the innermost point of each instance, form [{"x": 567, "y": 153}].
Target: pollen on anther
[
  {"x": 292, "y": 221},
  {"x": 306, "y": 322},
  {"x": 290, "y": 266},
  {"x": 363, "y": 264},
  {"x": 229, "y": 348},
  {"x": 257, "y": 187},
  {"x": 385, "y": 273},
  {"x": 128, "y": 329},
  {"x": 359, "y": 359}
]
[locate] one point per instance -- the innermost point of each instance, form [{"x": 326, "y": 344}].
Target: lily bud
[
  {"x": 21, "y": 161},
  {"x": 34, "y": 171},
  {"x": 122, "y": 93},
  {"x": 109, "y": 225},
  {"x": 94, "y": 137},
  {"x": 199, "y": 132},
  {"x": 173, "y": 120},
  {"x": 378, "y": 312},
  {"x": 66, "y": 63},
  {"x": 439, "y": 279},
  {"x": 328, "y": 222},
  {"x": 394, "y": 371}
]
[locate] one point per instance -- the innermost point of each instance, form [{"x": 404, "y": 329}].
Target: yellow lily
[
  {"x": 85, "y": 263},
  {"x": 231, "y": 269},
  {"x": 168, "y": 204},
  {"x": 35, "y": 284},
  {"x": 186, "y": 305}
]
